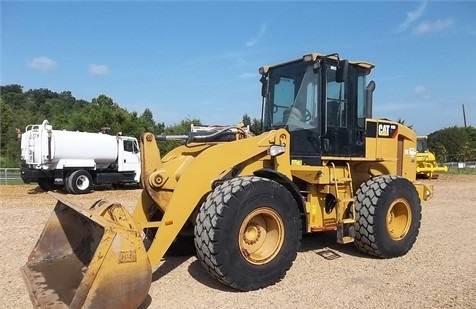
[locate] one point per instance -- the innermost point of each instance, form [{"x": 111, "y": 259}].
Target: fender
[{"x": 286, "y": 182}]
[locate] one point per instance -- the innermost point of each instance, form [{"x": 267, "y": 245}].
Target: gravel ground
[{"x": 439, "y": 272}]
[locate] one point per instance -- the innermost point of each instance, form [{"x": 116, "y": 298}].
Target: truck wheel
[
  {"x": 68, "y": 184},
  {"x": 247, "y": 232},
  {"x": 388, "y": 215},
  {"x": 79, "y": 182}
]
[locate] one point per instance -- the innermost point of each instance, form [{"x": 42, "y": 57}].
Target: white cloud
[
  {"x": 43, "y": 64},
  {"x": 421, "y": 92},
  {"x": 98, "y": 69},
  {"x": 433, "y": 26},
  {"x": 412, "y": 17},
  {"x": 257, "y": 38}
]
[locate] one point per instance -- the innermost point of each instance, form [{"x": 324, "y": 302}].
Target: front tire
[
  {"x": 47, "y": 184},
  {"x": 248, "y": 232},
  {"x": 388, "y": 215}
]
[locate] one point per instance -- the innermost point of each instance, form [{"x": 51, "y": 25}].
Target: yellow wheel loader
[
  {"x": 241, "y": 201},
  {"x": 427, "y": 167}
]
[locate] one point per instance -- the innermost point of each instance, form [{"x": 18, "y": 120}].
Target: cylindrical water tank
[{"x": 83, "y": 145}]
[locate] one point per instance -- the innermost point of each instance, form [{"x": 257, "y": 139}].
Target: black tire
[
  {"x": 68, "y": 184},
  {"x": 388, "y": 215},
  {"x": 79, "y": 182},
  {"x": 247, "y": 232},
  {"x": 47, "y": 184}
]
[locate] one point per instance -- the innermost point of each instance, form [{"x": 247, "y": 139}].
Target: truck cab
[
  {"x": 128, "y": 156},
  {"x": 322, "y": 101}
]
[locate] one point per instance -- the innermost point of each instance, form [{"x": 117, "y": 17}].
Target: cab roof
[{"x": 314, "y": 56}]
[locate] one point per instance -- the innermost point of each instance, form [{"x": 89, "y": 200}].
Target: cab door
[
  {"x": 336, "y": 139},
  {"x": 343, "y": 136},
  {"x": 129, "y": 155}
]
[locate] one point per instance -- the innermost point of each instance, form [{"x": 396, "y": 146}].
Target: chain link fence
[{"x": 461, "y": 165}]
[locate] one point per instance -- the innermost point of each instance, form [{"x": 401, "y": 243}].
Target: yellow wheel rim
[
  {"x": 261, "y": 235},
  {"x": 399, "y": 219}
]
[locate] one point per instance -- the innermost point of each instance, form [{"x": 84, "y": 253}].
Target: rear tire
[
  {"x": 248, "y": 232},
  {"x": 79, "y": 182},
  {"x": 388, "y": 215}
]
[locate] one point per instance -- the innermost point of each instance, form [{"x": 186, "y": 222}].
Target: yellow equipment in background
[
  {"x": 427, "y": 167},
  {"x": 241, "y": 201}
]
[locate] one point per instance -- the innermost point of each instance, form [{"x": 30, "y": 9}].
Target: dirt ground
[{"x": 439, "y": 272}]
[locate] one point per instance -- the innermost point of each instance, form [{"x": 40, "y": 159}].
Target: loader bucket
[{"x": 86, "y": 259}]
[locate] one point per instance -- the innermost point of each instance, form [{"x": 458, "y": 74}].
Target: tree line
[
  {"x": 453, "y": 144},
  {"x": 20, "y": 108},
  {"x": 63, "y": 111}
]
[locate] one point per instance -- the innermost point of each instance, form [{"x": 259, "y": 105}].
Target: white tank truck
[{"x": 75, "y": 161}]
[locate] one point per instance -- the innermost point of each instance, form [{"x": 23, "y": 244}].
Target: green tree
[
  {"x": 255, "y": 124},
  {"x": 467, "y": 151},
  {"x": 13, "y": 95},
  {"x": 7, "y": 135},
  {"x": 147, "y": 123},
  {"x": 39, "y": 96},
  {"x": 147, "y": 116},
  {"x": 105, "y": 115},
  {"x": 13, "y": 88},
  {"x": 103, "y": 100},
  {"x": 459, "y": 142},
  {"x": 16, "y": 112},
  {"x": 440, "y": 152}
]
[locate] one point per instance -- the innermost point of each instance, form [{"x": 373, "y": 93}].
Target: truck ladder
[
  {"x": 31, "y": 147},
  {"x": 343, "y": 188}
]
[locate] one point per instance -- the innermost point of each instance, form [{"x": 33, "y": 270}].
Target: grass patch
[
  {"x": 11, "y": 182},
  {"x": 461, "y": 171}
]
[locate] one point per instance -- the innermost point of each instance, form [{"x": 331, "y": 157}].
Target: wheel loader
[
  {"x": 427, "y": 167},
  {"x": 243, "y": 201}
]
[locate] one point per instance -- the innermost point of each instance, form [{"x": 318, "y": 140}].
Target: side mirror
[
  {"x": 341, "y": 74},
  {"x": 263, "y": 85},
  {"x": 369, "y": 90}
]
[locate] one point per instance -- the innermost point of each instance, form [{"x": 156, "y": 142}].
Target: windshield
[
  {"x": 422, "y": 144},
  {"x": 292, "y": 98}
]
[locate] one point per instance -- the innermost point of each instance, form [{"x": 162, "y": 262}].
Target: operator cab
[
  {"x": 422, "y": 143},
  {"x": 322, "y": 101}
]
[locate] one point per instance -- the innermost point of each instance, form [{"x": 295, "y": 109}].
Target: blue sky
[{"x": 200, "y": 59}]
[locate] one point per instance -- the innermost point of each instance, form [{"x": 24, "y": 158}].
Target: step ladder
[{"x": 345, "y": 226}]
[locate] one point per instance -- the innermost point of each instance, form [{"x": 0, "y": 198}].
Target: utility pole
[{"x": 464, "y": 117}]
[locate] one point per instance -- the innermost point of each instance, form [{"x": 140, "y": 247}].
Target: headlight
[{"x": 276, "y": 150}]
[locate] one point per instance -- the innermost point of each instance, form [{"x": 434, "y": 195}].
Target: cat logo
[{"x": 387, "y": 130}]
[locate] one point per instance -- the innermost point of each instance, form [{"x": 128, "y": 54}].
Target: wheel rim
[
  {"x": 399, "y": 218},
  {"x": 82, "y": 182},
  {"x": 261, "y": 235}
]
